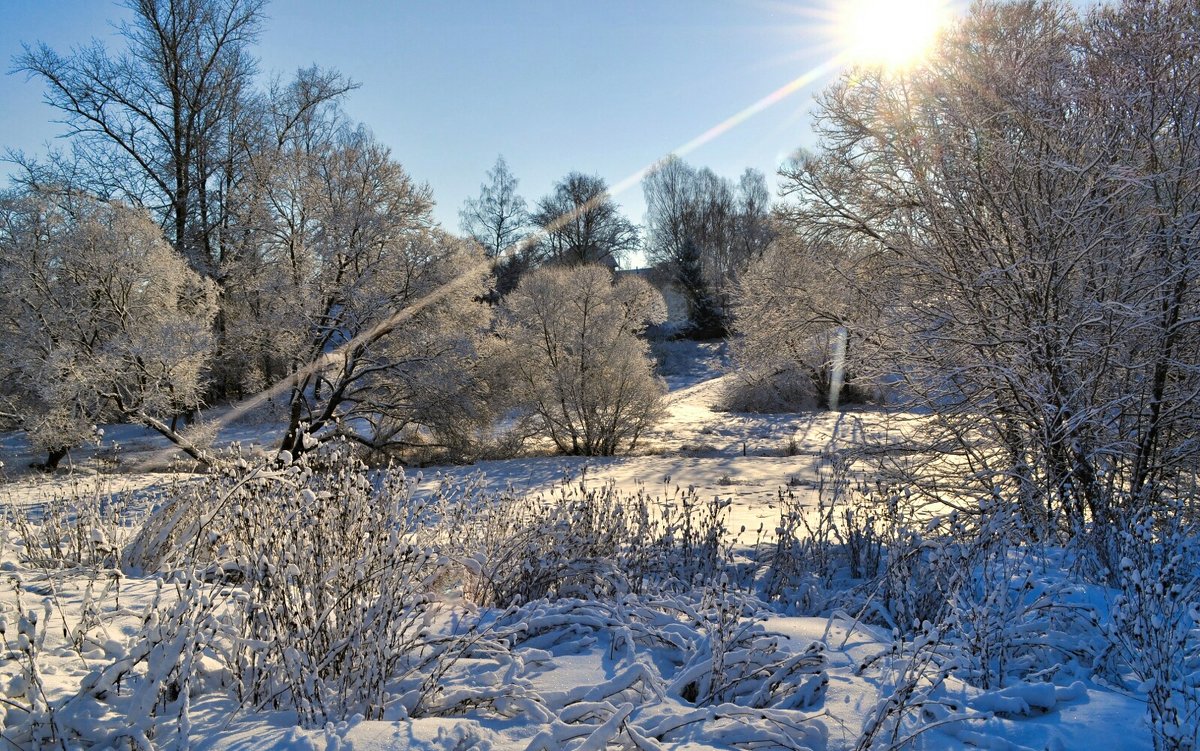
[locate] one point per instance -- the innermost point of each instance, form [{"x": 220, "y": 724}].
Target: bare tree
[
  {"x": 497, "y": 219},
  {"x": 364, "y": 309},
  {"x": 753, "y": 232},
  {"x": 174, "y": 123},
  {"x": 703, "y": 233},
  {"x": 499, "y": 222},
  {"x": 674, "y": 233},
  {"x": 792, "y": 307},
  {"x": 582, "y": 224},
  {"x": 152, "y": 121},
  {"x": 1029, "y": 201}
]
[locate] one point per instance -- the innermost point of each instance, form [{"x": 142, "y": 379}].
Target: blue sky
[{"x": 600, "y": 87}]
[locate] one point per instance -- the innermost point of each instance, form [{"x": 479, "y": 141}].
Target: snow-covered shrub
[
  {"x": 138, "y": 695},
  {"x": 578, "y": 364},
  {"x": 797, "y": 564},
  {"x": 977, "y": 577},
  {"x": 1155, "y": 621},
  {"x": 791, "y": 308},
  {"x": 706, "y": 647},
  {"x": 843, "y": 534},
  {"x": 859, "y": 536},
  {"x": 521, "y": 548},
  {"x": 786, "y": 389},
  {"x": 737, "y": 662},
  {"x": 911, "y": 699},
  {"x": 1011, "y": 615},
  {"x": 584, "y": 542},
  {"x": 25, "y": 712},
  {"x": 331, "y": 580},
  {"x": 337, "y": 591},
  {"x": 875, "y": 552},
  {"x": 919, "y": 578},
  {"x": 87, "y": 526}
]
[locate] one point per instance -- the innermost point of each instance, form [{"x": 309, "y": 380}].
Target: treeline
[
  {"x": 701, "y": 230},
  {"x": 205, "y": 240}
]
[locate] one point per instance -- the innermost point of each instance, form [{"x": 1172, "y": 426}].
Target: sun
[{"x": 889, "y": 33}]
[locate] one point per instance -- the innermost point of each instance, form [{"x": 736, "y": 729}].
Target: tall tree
[
  {"x": 581, "y": 223},
  {"x": 753, "y": 232},
  {"x": 1032, "y": 191},
  {"x": 361, "y": 308},
  {"x": 694, "y": 231},
  {"x": 499, "y": 221},
  {"x": 173, "y": 123},
  {"x": 152, "y": 121}
]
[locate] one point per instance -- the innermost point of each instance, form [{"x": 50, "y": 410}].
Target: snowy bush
[
  {"x": 789, "y": 308},
  {"x": 585, "y": 542},
  {"x": 706, "y": 650},
  {"x": 1155, "y": 621},
  {"x": 578, "y": 363},
  {"x": 844, "y": 535},
  {"x": 786, "y": 389},
  {"x": 87, "y": 526},
  {"x": 332, "y": 580},
  {"x": 737, "y": 662}
]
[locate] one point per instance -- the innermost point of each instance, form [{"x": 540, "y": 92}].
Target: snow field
[{"x": 662, "y": 601}]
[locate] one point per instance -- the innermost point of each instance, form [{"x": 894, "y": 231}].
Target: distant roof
[{"x": 656, "y": 275}]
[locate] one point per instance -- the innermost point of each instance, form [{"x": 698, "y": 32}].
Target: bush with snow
[{"x": 579, "y": 367}]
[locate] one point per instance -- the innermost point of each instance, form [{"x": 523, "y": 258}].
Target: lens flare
[{"x": 890, "y": 33}]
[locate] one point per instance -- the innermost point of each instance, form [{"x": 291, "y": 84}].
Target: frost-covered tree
[
  {"x": 578, "y": 364},
  {"x": 753, "y": 221},
  {"x": 702, "y": 232},
  {"x": 170, "y": 119},
  {"x": 101, "y": 320},
  {"x": 360, "y": 306},
  {"x": 1031, "y": 198},
  {"x": 794, "y": 307},
  {"x": 499, "y": 221},
  {"x": 152, "y": 122}
]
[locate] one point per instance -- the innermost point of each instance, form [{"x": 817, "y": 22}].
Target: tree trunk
[{"x": 53, "y": 457}]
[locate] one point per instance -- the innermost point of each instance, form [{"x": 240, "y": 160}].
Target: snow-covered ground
[
  {"x": 620, "y": 671},
  {"x": 587, "y": 688}
]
